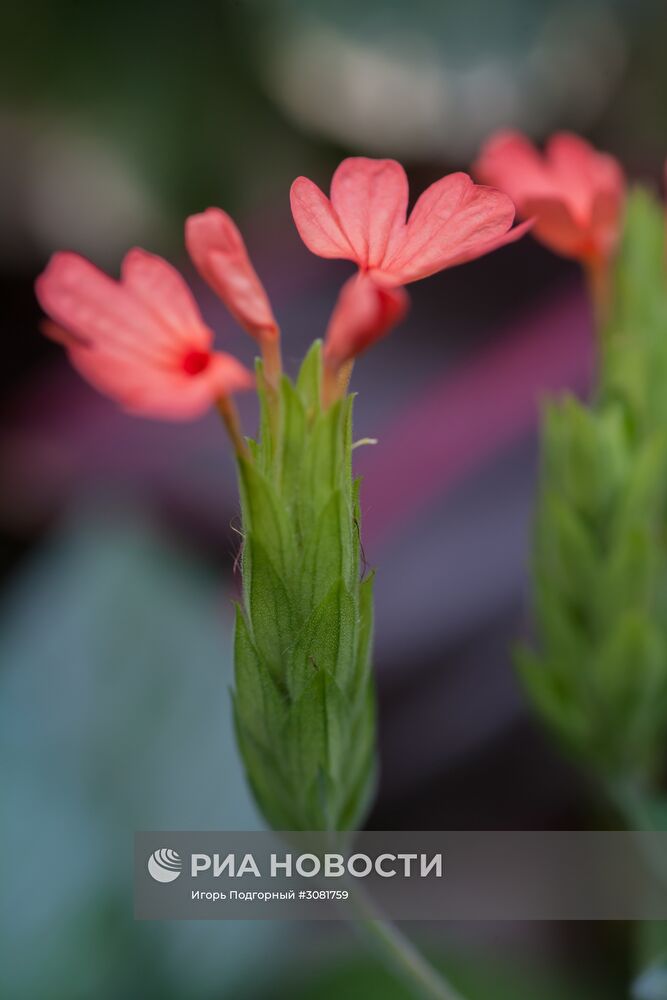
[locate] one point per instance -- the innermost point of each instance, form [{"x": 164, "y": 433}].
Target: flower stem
[
  {"x": 272, "y": 371},
  {"x": 271, "y": 356},
  {"x": 230, "y": 416},
  {"x": 335, "y": 382},
  {"x": 400, "y": 954},
  {"x": 598, "y": 280},
  {"x": 631, "y": 801}
]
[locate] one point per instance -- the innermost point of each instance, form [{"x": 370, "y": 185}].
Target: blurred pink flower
[
  {"x": 140, "y": 340},
  {"x": 454, "y": 220},
  {"x": 365, "y": 312},
  {"x": 574, "y": 193}
]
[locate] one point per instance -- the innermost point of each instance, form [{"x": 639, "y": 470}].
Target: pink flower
[
  {"x": 364, "y": 220},
  {"x": 219, "y": 254},
  {"x": 574, "y": 193},
  {"x": 365, "y": 312},
  {"x": 140, "y": 340}
]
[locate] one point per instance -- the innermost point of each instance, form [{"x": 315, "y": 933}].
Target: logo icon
[{"x": 165, "y": 865}]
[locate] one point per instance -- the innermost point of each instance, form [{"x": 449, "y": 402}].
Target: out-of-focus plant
[
  {"x": 600, "y": 676},
  {"x": 304, "y": 701},
  {"x": 598, "y": 673}
]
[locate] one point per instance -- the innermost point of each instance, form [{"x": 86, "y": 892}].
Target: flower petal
[
  {"x": 370, "y": 199},
  {"x": 160, "y": 393},
  {"x": 556, "y": 226},
  {"x": 163, "y": 291},
  {"x": 453, "y": 221},
  {"x": 185, "y": 398},
  {"x": 496, "y": 243},
  {"x": 510, "y": 162},
  {"x": 219, "y": 254},
  {"x": 317, "y": 223},
  {"x": 575, "y": 192},
  {"x": 365, "y": 312},
  {"x": 81, "y": 298}
]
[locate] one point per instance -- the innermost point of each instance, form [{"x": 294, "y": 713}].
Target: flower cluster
[
  {"x": 574, "y": 193},
  {"x": 142, "y": 340}
]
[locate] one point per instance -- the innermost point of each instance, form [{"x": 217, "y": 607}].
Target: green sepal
[
  {"x": 329, "y": 550},
  {"x": 260, "y": 702},
  {"x": 309, "y": 381},
  {"x": 326, "y": 643},
  {"x": 304, "y": 701},
  {"x": 270, "y": 608},
  {"x": 264, "y": 516}
]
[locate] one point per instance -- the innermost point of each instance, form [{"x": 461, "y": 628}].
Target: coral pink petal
[
  {"x": 509, "y": 161},
  {"x": 163, "y": 291},
  {"x": 62, "y": 336},
  {"x": 365, "y": 312},
  {"x": 606, "y": 219},
  {"x": 556, "y": 226},
  {"x": 370, "y": 199},
  {"x": 317, "y": 222},
  {"x": 180, "y": 398},
  {"x": 454, "y": 220},
  {"x": 481, "y": 249},
  {"x": 575, "y": 192},
  {"x": 81, "y": 298},
  {"x": 161, "y": 393},
  {"x": 219, "y": 254},
  {"x": 225, "y": 375},
  {"x": 582, "y": 172},
  {"x": 572, "y": 163}
]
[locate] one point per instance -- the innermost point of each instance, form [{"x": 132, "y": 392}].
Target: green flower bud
[{"x": 304, "y": 699}]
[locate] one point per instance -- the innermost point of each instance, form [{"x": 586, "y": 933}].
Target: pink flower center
[{"x": 195, "y": 362}]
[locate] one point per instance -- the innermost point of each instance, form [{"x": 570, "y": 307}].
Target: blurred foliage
[
  {"x": 190, "y": 96},
  {"x": 173, "y": 85},
  {"x": 652, "y": 984},
  {"x": 599, "y": 678},
  {"x": 114, "y": 717},
  {"x": 358, "y": 978}
]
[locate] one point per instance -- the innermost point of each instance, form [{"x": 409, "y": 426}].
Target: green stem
[
  {"x": 630, "y": 800},
  {"x": 400, "y": 954}
]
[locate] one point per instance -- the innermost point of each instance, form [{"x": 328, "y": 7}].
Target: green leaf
[
  {"x": 265, "y": 770},
  {"x": 265, "y": 517},
  {"x": 292, "y": 438},
  {"x": 316, "y": 733},
  {"x": 329, "y": 551},
  {"x": 266, "y": 449},
  {"x": 327, "y": 461},
  {"x": 361, "y": 764},
  {"x": 365, "y": 631},
  {"x": 260, "y": 703},
  {"x": 639, "y": 277},
  {"x": 326, "y": 643},
  {"x": 270, "y": 609},
  {"x": 563, "y": 542},
  {"x": 310, "y": 378},
  {"x": 554, "y": 700}
]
